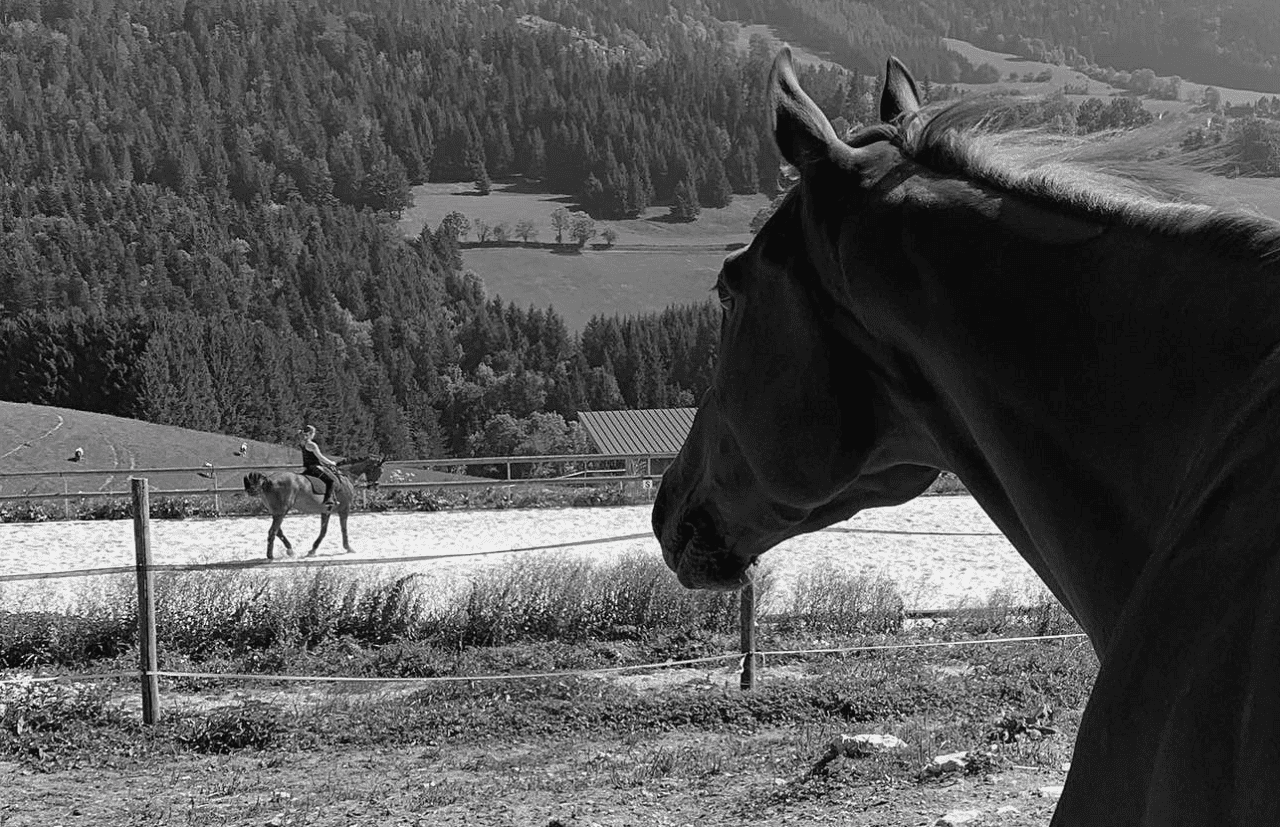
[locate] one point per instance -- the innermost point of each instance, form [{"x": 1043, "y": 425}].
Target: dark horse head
[
  {"x": 797, "y": 430},
  {"x": 369, "y": 467},
  {"x": 1098, "y": 361}
]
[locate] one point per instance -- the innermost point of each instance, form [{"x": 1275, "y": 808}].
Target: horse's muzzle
[{"x": 695, "y": 550}]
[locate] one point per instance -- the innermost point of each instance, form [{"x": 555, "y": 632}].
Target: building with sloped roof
[{"x": 655, "y": 434}]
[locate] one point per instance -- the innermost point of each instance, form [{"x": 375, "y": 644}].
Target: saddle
[{"x": 318, "y": 484}]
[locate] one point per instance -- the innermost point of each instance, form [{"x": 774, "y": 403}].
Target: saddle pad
[{"x": 317, "y": 485}]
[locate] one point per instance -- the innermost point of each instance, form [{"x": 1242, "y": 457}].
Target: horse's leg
[
  {"x": 342, "y": 521},
  {"x": 288, "y": 546},
  {"x": 324, "y": 526},
  {"x": 276, "y": 519}
]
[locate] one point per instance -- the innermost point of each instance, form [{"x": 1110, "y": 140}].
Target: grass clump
[
  {"x": 47, "y": 724},
  {"x": 252, "y": 725}
]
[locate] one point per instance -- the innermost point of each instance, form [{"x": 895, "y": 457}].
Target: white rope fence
[
  {"x": 565, "y": 673},
  {"x": 313, "y": 562},
  {"x": 150, "y": 673}
]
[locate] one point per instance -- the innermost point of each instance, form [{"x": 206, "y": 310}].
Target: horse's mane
[{"x": 1099, "y": 178}]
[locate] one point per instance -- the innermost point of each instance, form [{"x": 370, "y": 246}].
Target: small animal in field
[
  {"x": 77, "y": 455},
  {"x": 285, "y": 491}
]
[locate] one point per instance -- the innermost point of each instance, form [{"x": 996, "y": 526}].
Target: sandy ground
[{"x": 963, "y": 560}]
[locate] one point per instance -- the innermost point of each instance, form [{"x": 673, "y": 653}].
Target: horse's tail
[{"x": 253, "y": 482}]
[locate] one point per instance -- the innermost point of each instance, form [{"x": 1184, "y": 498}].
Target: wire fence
[{"x": 149, "y": 672}]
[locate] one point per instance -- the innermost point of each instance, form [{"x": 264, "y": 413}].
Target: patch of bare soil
[{"x": 675, "y": 779}]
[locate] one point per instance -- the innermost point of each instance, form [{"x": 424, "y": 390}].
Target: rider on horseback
[{"x": 316, "y": 464}]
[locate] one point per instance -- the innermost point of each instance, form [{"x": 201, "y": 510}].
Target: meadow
[
  {"x": 653, "y": 263},
  {"x": 41, "y": 440}
]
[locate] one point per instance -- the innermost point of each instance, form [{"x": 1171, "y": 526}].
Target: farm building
[{"x": 656, "y": 434}]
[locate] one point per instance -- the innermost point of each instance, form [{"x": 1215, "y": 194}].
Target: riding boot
[{"x": 328, "y": 494}]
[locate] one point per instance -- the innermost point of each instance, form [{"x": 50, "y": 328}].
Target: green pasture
[
  {"x": 39, "y": 438},
  {"x": 655, "y": 263},
  {"x": 594, "y": 282}
]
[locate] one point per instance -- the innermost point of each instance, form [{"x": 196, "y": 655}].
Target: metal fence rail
[{"x": 587, "y": 471}]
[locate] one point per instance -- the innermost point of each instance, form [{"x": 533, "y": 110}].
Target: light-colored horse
[
  {"x": 1099, "y": 364},
  {"x": 283, "y": 491}
]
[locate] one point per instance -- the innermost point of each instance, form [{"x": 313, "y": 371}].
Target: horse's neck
[{"x": 1094, "y": 420}]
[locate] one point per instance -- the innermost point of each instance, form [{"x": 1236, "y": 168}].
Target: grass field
[
  {"x": 656, "y": 263},
  {"x": 597, "y": 282},
  {"x": 38, "y": 438},
  {"x": 510, "y": 202}
]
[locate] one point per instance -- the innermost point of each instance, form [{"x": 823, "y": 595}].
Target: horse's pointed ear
[
  {"x": 802, "y": 132},
  {"x": 900, "y": 96}
]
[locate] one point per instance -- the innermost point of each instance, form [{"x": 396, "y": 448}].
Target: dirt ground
[{"x": 675, "y": 780}]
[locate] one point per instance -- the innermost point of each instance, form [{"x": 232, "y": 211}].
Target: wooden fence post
[
  {"x": 217, "y": 499},
  {"x": 66, "y": 500},
  {"x": 148, "y": 662},
  {"x": 747, "y": 623}
]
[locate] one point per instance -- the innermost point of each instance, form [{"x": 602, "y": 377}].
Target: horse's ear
[
  {"x": 899, "y": 96},
  {"x": 803, "y": 134}
]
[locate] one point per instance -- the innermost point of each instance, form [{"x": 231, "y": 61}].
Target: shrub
[
  {"x": 546, "y": 597},
  {"x": 106, "y": 509},
  {"x": 100, "y": 623},
  {"x": 175, "y": 508},
  {"x": 1012, "y": 611},
  {"x": 25, "y": 512},
  {"x": 829, "y": 599}
]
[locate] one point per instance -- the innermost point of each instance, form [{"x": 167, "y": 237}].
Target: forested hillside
[
  {"x": 198, "y": 203},
  {"x": 197, "y": 199}
]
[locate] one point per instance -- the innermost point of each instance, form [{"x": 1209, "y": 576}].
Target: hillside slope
[{"x": 41, "y": 439}]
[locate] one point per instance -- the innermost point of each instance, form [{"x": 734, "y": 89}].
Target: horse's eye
[{"x": 726, "y": 298}]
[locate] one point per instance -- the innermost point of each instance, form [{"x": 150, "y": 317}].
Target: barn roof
[{"x": 638, "y": 432}]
